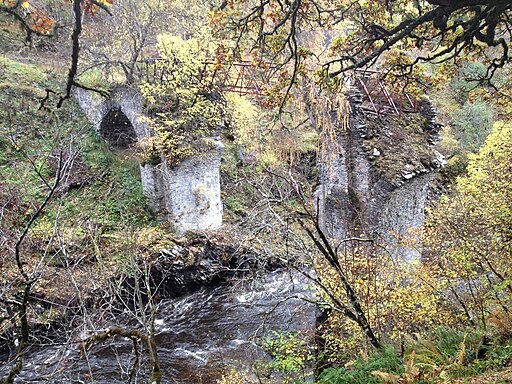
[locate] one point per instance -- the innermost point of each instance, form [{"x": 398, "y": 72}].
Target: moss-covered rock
[{"x": 399, "y": 147}]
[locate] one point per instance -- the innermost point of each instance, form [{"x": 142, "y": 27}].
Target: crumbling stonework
[
  {"x": 375, "y": 176},
  {"x": 123, "y": 99},
  {"x": 187, "y": 194}
]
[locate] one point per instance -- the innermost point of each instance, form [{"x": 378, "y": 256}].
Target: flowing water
[{"x": 198, "y": 335}]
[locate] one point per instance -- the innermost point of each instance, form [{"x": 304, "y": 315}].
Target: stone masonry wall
[
  {"x": 375, "y": 177},
  {"x": 187, "y": 195}
]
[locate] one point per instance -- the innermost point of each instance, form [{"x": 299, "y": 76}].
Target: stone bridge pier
[
  {"x": 375, "y": 176},
  {"x": 186, "y": 195}
]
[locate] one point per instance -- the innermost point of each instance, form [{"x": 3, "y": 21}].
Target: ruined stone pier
[
  {"x": 375, "y": 175},
  {"x": 187, "y": 195}
]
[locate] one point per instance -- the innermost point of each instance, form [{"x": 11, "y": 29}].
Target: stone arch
[
  {"x": 187, "y": 195},
  {"x": 123, "y": 107},
  {"x": 117, "y": 130}
]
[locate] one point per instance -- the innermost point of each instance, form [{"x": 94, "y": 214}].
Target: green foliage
[
  {"x": 244, "y": 116},
  {"x": 470, "y": 232},
  {"x": 467, "y": 79},
  {"x": 290, "y": 354},
  {"x": 115, "y": 200},
  {"x": 456, "y": 158},
  {"x": 468, "y": 112},
  {"x": 234, "y": 376},
  {"x": 28, "y": 137},
  {"x": 21, "y": 85},
  {"x": 360, "y": 370},
  {"x": 271, "y": 139},
  {"x": 446, "y": 341},
  {"x": 497, "y": 357},
  {"x": 445, "y": 354},
  {"x": 449, "y": 146},
  {"x": 472, "y": 123},
  {"x": 184, "y": 111},
  {"x": 440, "y": 355},
  {"x": 233, "y": 204}
]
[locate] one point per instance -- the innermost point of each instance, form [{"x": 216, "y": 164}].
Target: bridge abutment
[
  {"x": 186, "y": 195},
  {"x": 375, "y": 176}
]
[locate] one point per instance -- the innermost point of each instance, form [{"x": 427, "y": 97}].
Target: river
[{"x": 198, "y": 335}]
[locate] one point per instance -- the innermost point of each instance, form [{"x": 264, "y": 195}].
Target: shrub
[
  {"x": 360, "y": 370},
  {"x": 467, "y": 79},
  {"x": 469, "y": 233},
  {"x": 472, "y": 124}
]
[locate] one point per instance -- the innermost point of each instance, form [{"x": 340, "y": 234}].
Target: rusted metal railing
[
  {"x": 379, "y": 98},
  {"x": 247, "y": 78}
]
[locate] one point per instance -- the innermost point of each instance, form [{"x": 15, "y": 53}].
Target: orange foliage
[{"x": 39, "y": 20}]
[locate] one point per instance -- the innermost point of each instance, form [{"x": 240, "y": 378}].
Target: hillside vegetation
[{"x": 84, "y": 260}]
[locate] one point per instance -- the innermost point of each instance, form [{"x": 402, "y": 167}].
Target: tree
[
  {"x": 469, "y": 234},
  {"x": 36, "y": 20},
  {"x": 69, "y": 219},
  {"x": 125, "y": 40},
  {"x": 368, "y": 296},
  {"x": 17, "y": 306},
  {"x": 352, "y": 35},
  {"x": 130, "y": 35},
  {"x": 33, "y": 184},
  {"x": 136, "y": 294},
  {"x": 183, "y": 110}
]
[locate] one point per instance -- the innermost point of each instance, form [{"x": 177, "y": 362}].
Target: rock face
[
  {"x": 188, "y": 194},
  {"x": 375, "y": 177},
  {"x": 201, "y": 262}
]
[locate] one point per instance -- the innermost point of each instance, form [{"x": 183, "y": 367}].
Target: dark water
[{"x": 198, "y": 335}]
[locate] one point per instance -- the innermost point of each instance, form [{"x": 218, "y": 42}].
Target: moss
[
  {"x": 308, "y": 141},
  {"x": 20, "y": 75},
  {"x": 94, "y": 79},
  {"x": 402, "y": 145},
  {"x": 102, "y": 196}
]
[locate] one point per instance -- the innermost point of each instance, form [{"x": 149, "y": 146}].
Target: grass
[{"x": 21, "y": 75}]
